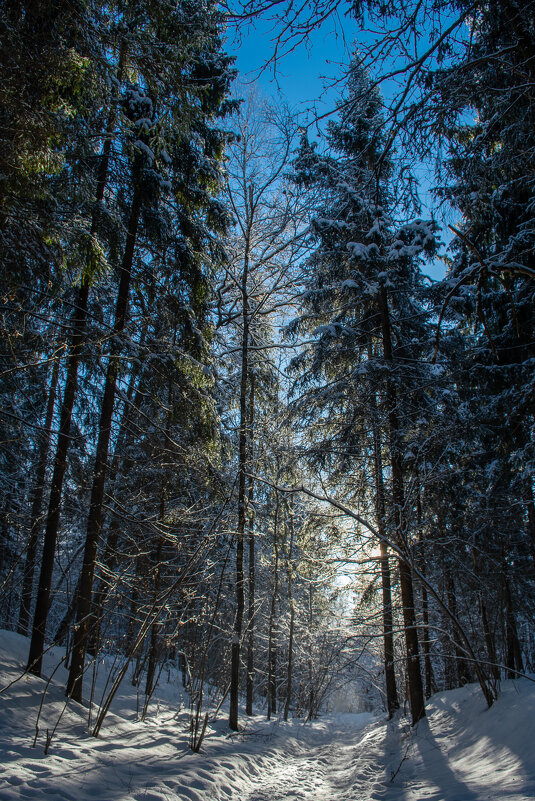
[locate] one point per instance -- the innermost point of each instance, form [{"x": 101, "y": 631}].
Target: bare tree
[{"x": 260, "y": 280}]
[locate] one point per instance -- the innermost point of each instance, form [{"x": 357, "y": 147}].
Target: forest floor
[{"x": 460, "y": 752}]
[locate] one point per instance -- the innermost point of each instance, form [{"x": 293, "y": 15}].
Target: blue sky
[
  {"x": 301, "y": 75},
  {"x": 306, "y": 77}
]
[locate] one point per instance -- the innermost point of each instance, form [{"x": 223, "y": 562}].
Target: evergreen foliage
[{"x": 188, "y": 475}]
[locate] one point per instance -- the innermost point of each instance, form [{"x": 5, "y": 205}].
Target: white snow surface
[{"x": 460, "y": 752}]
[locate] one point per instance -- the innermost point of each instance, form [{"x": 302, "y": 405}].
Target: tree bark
[
  {"x": 272, "y": 647},
  {"x": 154, "y": 636},
  {"x": 240, "y": 533},
  {"x": 392, "y": 702},
  {"x": 289, "y": 670},
  {"x": 37, "y": 503},
  {"x": 94, "y": 523},
  {"x": 426, "y": 643},
  {"x": 488, "y": 634},
  {"x": 249, "y": 688},
  {"x": 416, "y": 694},
  {"x": 462, "y": 669},
  {"x": 428, "y": 667},
  {"x": 513, "y": 652}
]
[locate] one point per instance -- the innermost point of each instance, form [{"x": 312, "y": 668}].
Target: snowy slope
[{"x": 462, "y": 752}]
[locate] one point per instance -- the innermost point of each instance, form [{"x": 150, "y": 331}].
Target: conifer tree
[
  {"x": 368, "y": 329},
  {"x": 488, "y": 295},
  {"x": 175, "y": 147}
]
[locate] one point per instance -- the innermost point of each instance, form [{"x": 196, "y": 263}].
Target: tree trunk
[
  {"x": 249, "y": 688},
  {"x": 109, "y": 558},
  {"x": 4, "y": 530},
  {"x": 37, "y": 503},
  {"x": 42, "y": 605},
  {"x": 94, "y": 523},
  {"x": 513, "y": 652},
  {"x": 488, "y": 634},
  {"x": 463, "y": 672},
  {"x": 154, "y": 636},
  {"x": 63, "y": 628},
  {"x": 289, "y": 568},
  {"x": 428, "y": 667},
  {"x": 311, "y": 694},
  {"x": 272, "y": 647},
  {"x": 392, "y": 702},
  {"x": 531, "y": 522},
  {"x": 240, "y": 533},
  {"x": 416, "y": 694},
  {"x": 426, "y": 643}
]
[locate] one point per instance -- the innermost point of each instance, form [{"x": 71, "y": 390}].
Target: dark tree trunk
[
  {"x": 272, "y": 646},
  {"x": 37, "y": 504},
  {"x": 289, "y": 671},
  {"x": 94, "y": 523},
  {"x": 531, "y": 523},
  {"x": 4, "y": 530},
  {"x": 426, "y": 643},
  {"x": 67, "y": 618},
  {"x": 392, "y": 702},
  {"x": 109, "y": 558},
  {"x": 249, "y": 687},
  {"x": 414, "y": 676},
  {"x": 155, "y": 628},
  {"x": 311, "y": 694},
  {"x": 42, "y": 605},
  {"x": 513, "y": 652},
  {"x": 426, "y": 647},
  {"x": 242, "y": 511},
  {"x": 463, "y": 672},
  {"x": 490, "y": 643}
]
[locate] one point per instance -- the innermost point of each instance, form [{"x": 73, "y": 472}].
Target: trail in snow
[
  {"x": 461, "y": 752},
  {"x": 310, "y": 772},
  {"x": 350, "y": 758}
]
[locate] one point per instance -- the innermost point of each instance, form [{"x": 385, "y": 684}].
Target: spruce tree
[
  {"x": 175, "y": 148},
  {"x": 369, "y": 328}
]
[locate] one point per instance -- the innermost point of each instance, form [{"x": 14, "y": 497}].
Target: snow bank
[
  {"x": 131, "y": 760},
  {"x": 461, "y": 752}
]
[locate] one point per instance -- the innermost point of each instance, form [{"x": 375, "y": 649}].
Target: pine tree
[
  {"x": 369, "y": 328},
  {"x": 162, "y": 156},
  {"x": 488, "y": 291}
]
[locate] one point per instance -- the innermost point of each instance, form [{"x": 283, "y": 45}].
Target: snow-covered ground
[{"x": 461, "y": 752}]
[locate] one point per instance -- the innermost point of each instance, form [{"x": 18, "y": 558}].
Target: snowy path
[
  {"x": 312, "y": 773},
  {"x": 355, "y": 762},
  {"x": 298, "y": 779}
]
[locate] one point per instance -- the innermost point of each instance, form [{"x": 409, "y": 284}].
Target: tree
[
  {"x": 364, "y": 284},
  {"x": 488, "y": 295},
  {"x": 59, "y": 73},
  {"x": 258, "y": 281},
  {"x": 202, "y": 73}
]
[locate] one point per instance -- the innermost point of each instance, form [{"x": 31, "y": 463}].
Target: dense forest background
[{"x": 242, "y": 432}]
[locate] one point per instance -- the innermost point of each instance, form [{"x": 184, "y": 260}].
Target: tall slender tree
[
  {"x": 364, "y": 286},
  {"x": 161, "y": 156}
]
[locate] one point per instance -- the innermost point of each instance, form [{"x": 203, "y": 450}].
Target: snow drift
[{"x": 461, "y": 752}]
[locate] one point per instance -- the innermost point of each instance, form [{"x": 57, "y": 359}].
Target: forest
[{"x": 267, "y": 375}]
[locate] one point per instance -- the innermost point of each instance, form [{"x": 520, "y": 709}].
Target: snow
[
  {"x": 364, "y": 252},
  {"x": 349, "y": 284},
  {"x": 460, "y": 752},
  {"x": 145, "y": 149}
]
